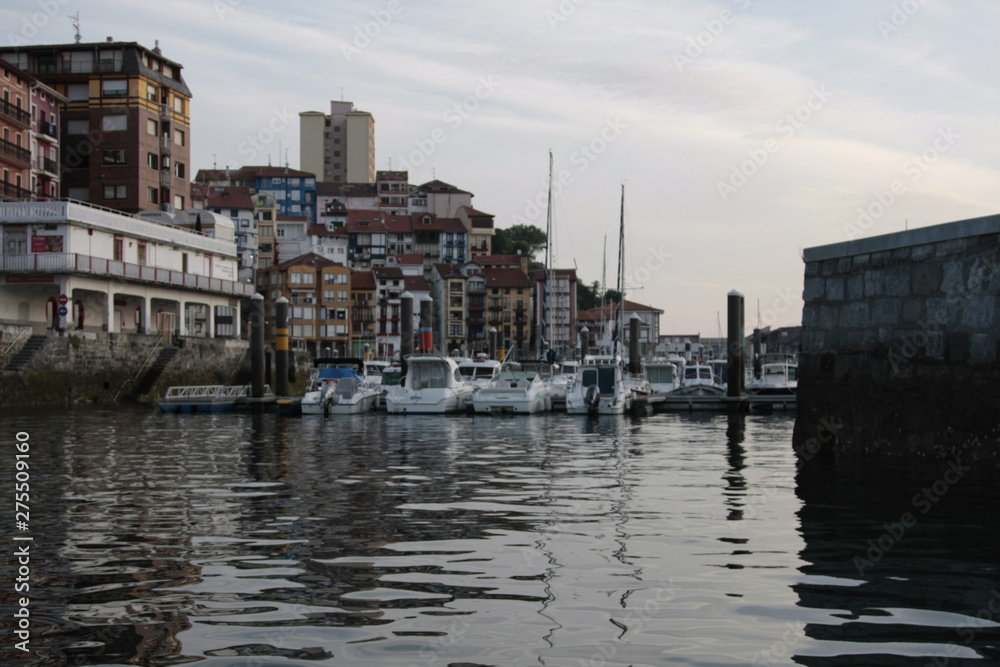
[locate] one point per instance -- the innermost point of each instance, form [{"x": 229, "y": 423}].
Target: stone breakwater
[
  {"x": 98, "y": 367},
  {"x": 900, "y": 339}
]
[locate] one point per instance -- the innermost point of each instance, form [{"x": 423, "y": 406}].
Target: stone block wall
[{"x": 900, "y": 342}]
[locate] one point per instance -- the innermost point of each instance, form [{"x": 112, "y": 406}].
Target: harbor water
[{"x": 378, "y": 540}]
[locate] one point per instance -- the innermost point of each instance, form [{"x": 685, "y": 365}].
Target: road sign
[
  {"x": 63, "y": 299},
  {"x": 63, "y": 311}
]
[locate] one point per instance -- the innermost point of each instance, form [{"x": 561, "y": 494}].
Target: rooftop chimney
[{"x": 110, "y": 38}]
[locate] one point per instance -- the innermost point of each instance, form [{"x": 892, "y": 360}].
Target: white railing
[{"x": 51, "y": 262}]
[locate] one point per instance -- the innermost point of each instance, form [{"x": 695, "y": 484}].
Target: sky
[{"x": 740, "y": 131}]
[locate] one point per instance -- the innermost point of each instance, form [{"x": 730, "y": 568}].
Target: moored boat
[
  {"x": 432, "y": 384},
  {"x": 520, "y": 392},
  {"x": 338, "y": 386}
]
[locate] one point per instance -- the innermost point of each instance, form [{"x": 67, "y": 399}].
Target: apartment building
[
  {"x": 16, "y": 126},
  {"x": 68, "y": 265},
  {"x": 126, "y": 124},
  {"x": 319, "y": 295},
  {"x": 338, "y": 147}
]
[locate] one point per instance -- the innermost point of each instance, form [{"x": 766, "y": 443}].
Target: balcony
[
  {"x": 165, "y": 112},
  {"x": 165, "y": 178},
  {"x": 16, "y": 153},
  {"x": 52, "y": 263},
  {"x": 165, "y": 145},
  {"x": 16, "y": 114},
  {"x": 11, "y": 191},
  {"x": 49, "y": 165},
  {"x": 49, "y": 129}
]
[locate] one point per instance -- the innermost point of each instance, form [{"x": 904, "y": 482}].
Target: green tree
[
  {"x": 528, "y": 239},
  {"x": 587, "y": 296}
]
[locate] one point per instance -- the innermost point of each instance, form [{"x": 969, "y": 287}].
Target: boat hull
[{"x": 427, "y": 402}]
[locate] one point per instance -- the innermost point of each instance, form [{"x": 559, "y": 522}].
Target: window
[
  {"x": 179, "y": 169},
  {"x": 178, "y": 104},
  {"x": 77, "y": 92},
  {"x": 77, "y": 126},
  {"x": 336, "y": 153},
  {"x": 179, "y": 202},
  {"x": 151, "y": 126},
  {"x": 337, "y": 140},
  {"x": 114, "y": 157},
  {"x": 151, "y": 93},
  {"x": 152, "y": 160},
  {"x": 115, "y": 191},
  {"x": 300, "y": 278},
  {"x": 119, "y": 248},
  {"x": 179, "y": 137},
  {"x": 153, "y": 195},
  {"x": 114, "y": 88},
  {"x": 115, "y": 123}
]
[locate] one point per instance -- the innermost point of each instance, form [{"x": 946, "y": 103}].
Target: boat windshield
[{"x": 660, "y": 374}]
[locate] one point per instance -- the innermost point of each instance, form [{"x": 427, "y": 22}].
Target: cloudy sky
[{"x": 743, "y": 130}]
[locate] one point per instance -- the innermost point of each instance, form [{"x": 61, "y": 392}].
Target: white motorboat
[
  {"x": 663, "y": 376},
  {"x": 432, "y": 384},
  {"x": 339, "y": 386},
  {"x": 598, "y": 388},
  {"x": 777, "y": 386},
  {"x": 479, "y": 371},
  {"x": 521, "y": 392}
]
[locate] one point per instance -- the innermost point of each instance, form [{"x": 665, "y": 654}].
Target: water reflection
[
  {"x": 560, "y": 541},
  {"x": 901, "y": 564}
]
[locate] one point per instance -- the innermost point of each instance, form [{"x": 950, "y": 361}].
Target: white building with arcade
[{"x": 67, "y": 265}]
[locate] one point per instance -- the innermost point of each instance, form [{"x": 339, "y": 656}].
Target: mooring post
[
  {"x": 734, "y": 345},
  {"x": 256, "y": 321},
  {"x": 281, "y": 347},
  {"x": 634, "y": 344},
  {"x": 405, "y": 328}
]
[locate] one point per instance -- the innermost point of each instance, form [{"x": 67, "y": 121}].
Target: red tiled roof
[
  {"x": 224, "y": 196},
  {"x": 330, "y": 189},
  {"x": 257, "y": 171},
  {"x": 387, "y": 272},
  {"x": 309, "y": 259},
  {"x": 471, "y": 212},
  {"x": 363, "y": 280},
  {"x": 416, "y": 283},
  {"x": 440, "y": 186},
  {"x": 447, "y": 270},
  {"x": 492, "y": 260},
  {"x": 409, "y": 258},
  {"x": 595, "y": 314},
  {"x": 506, "y": 278}
]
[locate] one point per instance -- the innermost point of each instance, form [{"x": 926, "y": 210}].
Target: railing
[
  {"x": 10, "y": 346},
  {"x": 16, "y": 113},
  {"x": 49, "y": 165},
  {"x": 11, "y": 191},
  {"x": 51, "y": 262},
  {"x": 14, "y": 151},
  {"x": 145, "y": 362}
]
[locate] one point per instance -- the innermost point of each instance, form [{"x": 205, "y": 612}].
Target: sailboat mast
[
  {"x": 619, "y": 313},
  {"x": 547, "y": 301}
]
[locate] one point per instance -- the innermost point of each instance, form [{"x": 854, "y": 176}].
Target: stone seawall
[
  {"x": 98, "y": 367},
  {"x": 900, "y": 340}
]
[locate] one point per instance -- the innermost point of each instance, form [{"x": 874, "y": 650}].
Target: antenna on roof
[
  {"x": 213, "y": 161},
  {"x": 75, "y": 19}
]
